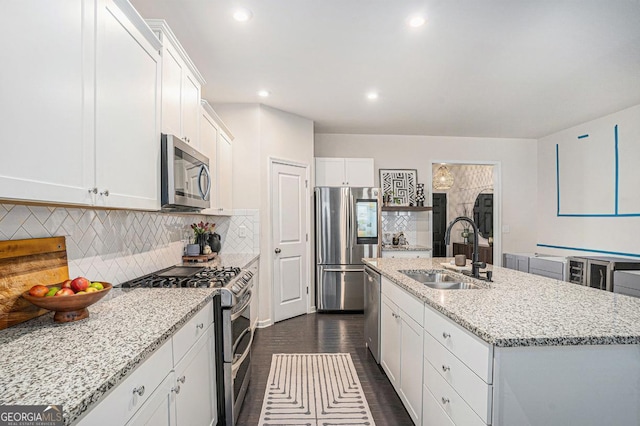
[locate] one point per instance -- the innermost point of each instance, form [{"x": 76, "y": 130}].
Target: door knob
[{"x": 278, "y": 251}]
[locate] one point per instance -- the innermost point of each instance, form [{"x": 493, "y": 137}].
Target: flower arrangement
[{"x": 202, "y": 228}]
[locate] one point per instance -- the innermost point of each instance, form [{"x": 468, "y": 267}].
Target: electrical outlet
[{"x": 242, "y": 231}]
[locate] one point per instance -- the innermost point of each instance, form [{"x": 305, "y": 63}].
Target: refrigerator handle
[{"x": 352, "y": 225}]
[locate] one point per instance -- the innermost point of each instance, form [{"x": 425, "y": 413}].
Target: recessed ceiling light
[
  {"x": 416, "y": 21},
  {"x": 264, "y": 93},
  {"x": 242, "y": 15},
  {"x": 372, "y": 96}
]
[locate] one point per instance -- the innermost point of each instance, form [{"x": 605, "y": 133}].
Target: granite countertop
[
  {"x": 521, "y": 309},
  {"x": 405, "y": 248},
  {"x": 74, "y": 364}
]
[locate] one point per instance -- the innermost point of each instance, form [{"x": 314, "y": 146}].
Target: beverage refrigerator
[{"x": 347, "y": 229}]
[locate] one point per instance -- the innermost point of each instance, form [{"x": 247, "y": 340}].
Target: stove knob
[{"x": 235, "y": 289}]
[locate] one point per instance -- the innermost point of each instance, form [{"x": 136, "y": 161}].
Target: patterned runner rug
[{"x": 314, "y": 390}]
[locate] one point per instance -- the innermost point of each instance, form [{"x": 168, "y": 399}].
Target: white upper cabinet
[
  {"x": 216, "y": 145},
  {"x": 90, "y": 79},
  {"x": 181, "y": 87},
  {"x": 356, "y": 172},
  {"x": 50, "y": 83},
  {"x": 127, "y": 111}
]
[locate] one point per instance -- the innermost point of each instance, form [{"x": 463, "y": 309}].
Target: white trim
[
  {"x": 272, "y": 161},
  {"x": 216, "y": 118},
  {"x": 497, "y": 199},
  {"x": 162, "y": 26},
  {"x": 139, "y": 23},
  {"x": 264, "y": 323}
]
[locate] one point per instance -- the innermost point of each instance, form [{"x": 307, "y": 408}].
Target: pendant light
[{"x": 442, "y": 178}]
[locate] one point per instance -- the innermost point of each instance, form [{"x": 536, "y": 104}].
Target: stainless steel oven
[
  {"x": 597, "y": 271},
  {"x": 233, "y": 346}
]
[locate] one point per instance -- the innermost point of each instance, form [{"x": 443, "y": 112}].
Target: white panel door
[
  {"x": 411, "y": 363},
  {"x": 390, "y": 341},
  {"x": 289, "y": 224},
  {"x": 127, "y": 114},
  {"x": 46, "y": 101}
]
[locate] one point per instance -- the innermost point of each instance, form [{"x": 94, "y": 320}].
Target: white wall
[
  {"x": 587, "y": 185},
  {"x": 517, "y": 158},
  {"x": 262, "y": 133}
]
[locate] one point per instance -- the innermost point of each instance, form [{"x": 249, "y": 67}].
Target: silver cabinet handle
[
  {"x": 93, "y": 190},
  {"x": 182, "y": 379},
  {"x": 105, "y": 193},
  {"x": 278, "y": 251},
  {"x": 445, "y": 368},
  {"x": 200, "y": 326},
  {"x": 446, "y": 335},
  {"x": 445, "y": 400},
  {"x": 176, "y": 389},
  {"x": 139, "y": 390}
]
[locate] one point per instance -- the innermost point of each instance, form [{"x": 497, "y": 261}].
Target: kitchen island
[
  {"x": 536, "y": 350},
  {"x": 77, "y": 364}
]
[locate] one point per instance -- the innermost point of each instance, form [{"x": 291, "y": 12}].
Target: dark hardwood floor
[{"x": 316, "y": 333}]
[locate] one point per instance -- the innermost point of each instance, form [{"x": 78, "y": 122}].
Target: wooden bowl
[{"x": 68, "y": 308}]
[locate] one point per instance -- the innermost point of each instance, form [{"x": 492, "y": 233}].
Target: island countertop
[
  {"x": 74, "y": 364},
  {"x": 522, "y": 309}
]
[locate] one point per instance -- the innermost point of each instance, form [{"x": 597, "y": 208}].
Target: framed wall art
[{"x": 400, "y": 184}]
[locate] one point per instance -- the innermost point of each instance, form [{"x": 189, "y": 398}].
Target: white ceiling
[{"x": 477, "y": 68}]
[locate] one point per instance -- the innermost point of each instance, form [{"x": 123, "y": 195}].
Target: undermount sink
[{"x": 439, "y": 280}]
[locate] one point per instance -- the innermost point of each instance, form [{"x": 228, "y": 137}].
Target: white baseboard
[{"x": 264, "y": 323}]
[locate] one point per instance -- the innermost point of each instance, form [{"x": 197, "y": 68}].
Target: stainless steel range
[{"x": 232, "y": 316}]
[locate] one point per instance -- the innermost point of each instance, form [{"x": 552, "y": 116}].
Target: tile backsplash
[
  {"x": 414, "y": 225},
  {"x": 118, "y": 245}
]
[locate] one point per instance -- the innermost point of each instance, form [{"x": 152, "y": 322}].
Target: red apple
[
  {"x": 80, "y": 284},
  {"x": 65, "y": 292},
  {"x": 65, "y": 284},
  {"x": 38, "y": 290}
]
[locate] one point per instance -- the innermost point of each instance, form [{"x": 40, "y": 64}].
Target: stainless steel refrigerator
[{"x": 348, "y": 229}]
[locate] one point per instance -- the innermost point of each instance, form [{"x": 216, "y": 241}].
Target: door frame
[
  {"x": 497, "y": 199},
  {"x": 271, "y": 258}
]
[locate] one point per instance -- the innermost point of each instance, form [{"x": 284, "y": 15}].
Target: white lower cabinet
[
  {"x": 195, "y": 381},
  {"x": 159, "y": 409},
  {"x": 401, "y": 351},
  {"x": 176, "y": 386},
  {"x": 432, "y": 411}
]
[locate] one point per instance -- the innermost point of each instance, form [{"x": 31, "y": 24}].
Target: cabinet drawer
[
  {"x": 450, "y": 401},
  {"x": 408, "y": 254},
  {"x": 469, "y": 385},
  {"x": 432, "y": 412},
  {"x": 118, "y": 406},
  {"x": 191, "y": 331},
  {"x": 412, "y": 306},
  {"x": 543, "y": 264},
  {"x": 471, "y": 350},
  {"x": 543, "y": 273}
]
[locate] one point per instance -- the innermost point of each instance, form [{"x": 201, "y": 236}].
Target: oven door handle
[
  {"x": 241, "y": 309},
  {"x": 238, "y": 360}
]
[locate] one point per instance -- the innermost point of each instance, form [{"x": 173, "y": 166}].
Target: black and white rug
[{"x": 314, "y": 390}]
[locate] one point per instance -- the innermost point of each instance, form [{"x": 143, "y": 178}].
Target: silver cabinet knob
[
  {"x": 105, "y": 193},
  {"x": 182, "y": 379},
  {"x": 93, "y": 190},
  {"x": 139, "y": 390},
  {"x": 200, "y": 326},
  {"x": 446, "y": 335},
  {"x": 278, "y": 251},
  {"x": 176, "y": 389},
  {"x": 445, "y": 400},
  {"x": 446, "y": 368}
]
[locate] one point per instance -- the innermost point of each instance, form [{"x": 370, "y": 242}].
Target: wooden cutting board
[{"x": 23, "y": 264}]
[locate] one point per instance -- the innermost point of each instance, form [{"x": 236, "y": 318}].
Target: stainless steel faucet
[{"x": 475, "y": 264}]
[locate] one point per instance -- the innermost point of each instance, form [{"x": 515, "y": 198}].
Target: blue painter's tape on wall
[{"x": 618, "y": 253}]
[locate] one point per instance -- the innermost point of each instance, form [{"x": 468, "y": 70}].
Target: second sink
[{"x": 439, "y": 280}]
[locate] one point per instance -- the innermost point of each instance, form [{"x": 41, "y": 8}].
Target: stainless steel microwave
[{"x": 185, "y": 176}]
